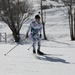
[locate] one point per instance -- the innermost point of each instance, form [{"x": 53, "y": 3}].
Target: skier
[{"x": 35, "y": 33}]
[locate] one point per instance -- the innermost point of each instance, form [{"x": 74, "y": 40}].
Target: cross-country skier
[{"x": 35, "y": 32}]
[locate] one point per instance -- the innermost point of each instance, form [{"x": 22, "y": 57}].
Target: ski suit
[{"x": 35, "y": 32}]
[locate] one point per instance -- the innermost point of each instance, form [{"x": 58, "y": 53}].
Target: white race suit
[{"x": 35, "y": 32}]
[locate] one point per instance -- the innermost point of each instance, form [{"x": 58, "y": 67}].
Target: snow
[
  {"x": 21, "y": 61},
  {"x": 60, "y": 50}
]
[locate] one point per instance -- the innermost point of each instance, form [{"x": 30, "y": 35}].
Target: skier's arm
[
  {"x": 28, "y": 31},
  {"x": 41, "y": 32}
]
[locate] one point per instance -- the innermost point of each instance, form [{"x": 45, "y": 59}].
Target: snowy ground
[
  {"x": 59, "y": 61},
  {"x": 60, "y": 50}
]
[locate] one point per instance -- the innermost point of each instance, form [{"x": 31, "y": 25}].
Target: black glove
[{"x": 40, "y": 35}]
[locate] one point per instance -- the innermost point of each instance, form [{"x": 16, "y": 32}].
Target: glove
[{"x": 40, "y": 35}]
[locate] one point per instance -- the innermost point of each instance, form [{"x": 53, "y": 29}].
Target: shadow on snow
[{"x": 52, "y": 59}]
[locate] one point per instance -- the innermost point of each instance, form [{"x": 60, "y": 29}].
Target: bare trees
[
  {"x": 42, "y": 18},
  {"x": 14, "y": 14},
  {"x": 43, "y": 23},
  {"x": 71, "y": 14},
  {"x": 74, "y": 22},
  {"x": 71, "y": 21}
]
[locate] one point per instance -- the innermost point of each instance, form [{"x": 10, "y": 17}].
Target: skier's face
[{"x": 38, "y": 19}]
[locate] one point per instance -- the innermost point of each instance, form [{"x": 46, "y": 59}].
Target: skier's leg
[
  {"x": 39, "y": 45},
  {"x": 34, "y": 45}
]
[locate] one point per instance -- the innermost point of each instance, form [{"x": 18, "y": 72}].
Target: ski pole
[
  {"x": 30, "y": 47},
  {"x": 11, "y": 50}
]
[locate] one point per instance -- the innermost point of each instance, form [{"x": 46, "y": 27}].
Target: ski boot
[
  {"x": 34, "y": 51},
  {"x": 39, "y": 52}
]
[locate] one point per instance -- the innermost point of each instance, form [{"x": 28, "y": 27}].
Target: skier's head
[{"x": 37, "y": 18}]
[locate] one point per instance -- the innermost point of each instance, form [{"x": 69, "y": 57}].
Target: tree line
[
  {"x": 14, "y": 13},
  {"x": 70, "y": 4}
]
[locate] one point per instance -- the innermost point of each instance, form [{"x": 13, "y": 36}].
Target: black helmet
[{"x": 37, "y": 17}]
